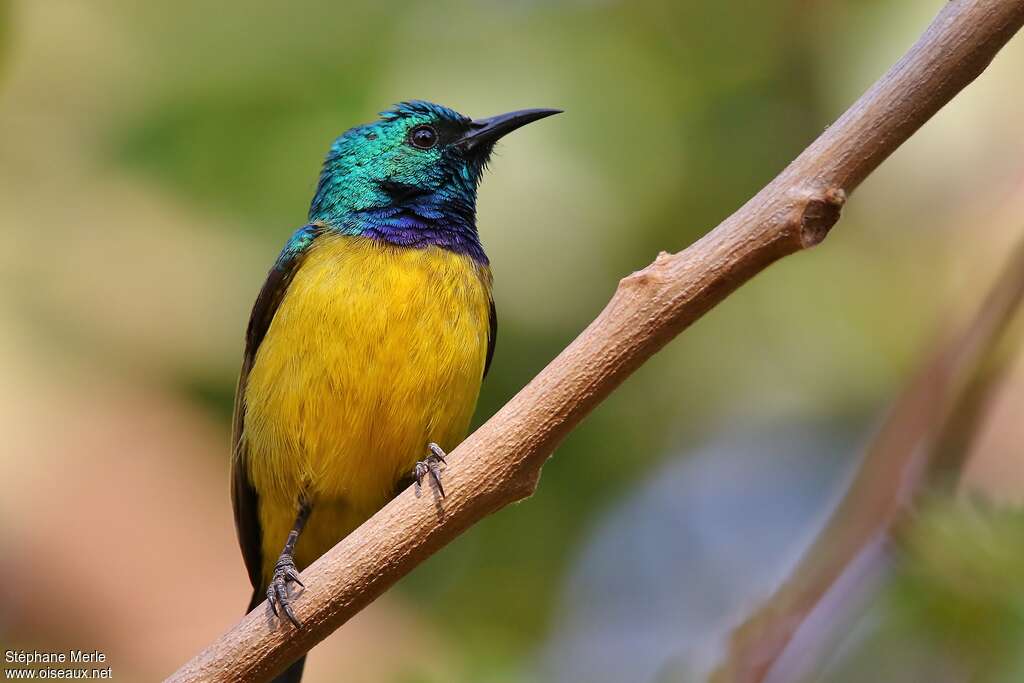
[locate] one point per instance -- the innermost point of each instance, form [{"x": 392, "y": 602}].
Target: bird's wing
[
  {"x": 492, "y": 336},
  {"x": 244, "y": 498}
]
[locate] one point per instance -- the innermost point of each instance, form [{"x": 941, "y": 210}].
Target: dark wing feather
[
  {"x": 492, "y": 337},
  {"x": 244, "y": 498}
]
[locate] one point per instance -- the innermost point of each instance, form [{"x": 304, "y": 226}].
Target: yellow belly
[{"x": 374, "y": 352}]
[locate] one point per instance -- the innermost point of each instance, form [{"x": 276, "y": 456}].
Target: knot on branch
[
  {"x": 655, "y": 273},
  {"x": 818, "y": 213}
]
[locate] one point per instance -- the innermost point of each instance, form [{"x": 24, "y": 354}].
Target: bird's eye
[{"x": 423, "y": 137}]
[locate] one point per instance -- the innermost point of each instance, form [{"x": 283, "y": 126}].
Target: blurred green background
[{"x": 155, "y": 156}]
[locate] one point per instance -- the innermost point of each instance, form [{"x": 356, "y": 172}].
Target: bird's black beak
[{"x": 483, "y": 133}]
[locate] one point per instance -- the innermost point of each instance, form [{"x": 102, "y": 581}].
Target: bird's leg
[
  {"x": 285, "y": 570},
  {"x": 431, "y": 465}
]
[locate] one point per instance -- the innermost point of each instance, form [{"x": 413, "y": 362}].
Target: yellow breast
[{"x": 374, "y": 352}]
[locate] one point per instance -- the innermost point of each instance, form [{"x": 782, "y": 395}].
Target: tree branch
[{"x": 500, "y": 462}]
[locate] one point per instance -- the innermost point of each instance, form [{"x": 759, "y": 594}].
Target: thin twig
[
  {"x": 500, "y": 462},
  {"x": 922, "y": 440}
]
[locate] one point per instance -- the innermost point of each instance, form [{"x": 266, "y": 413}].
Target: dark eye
[{"x": 423, "y": 137}]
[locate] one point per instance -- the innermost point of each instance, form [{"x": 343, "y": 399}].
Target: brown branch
[
  {"x": 922, "y": 442},
  {"x": 500, "y": 462}
]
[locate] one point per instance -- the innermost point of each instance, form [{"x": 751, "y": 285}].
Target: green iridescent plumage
[{"x": 374, "y": 181}]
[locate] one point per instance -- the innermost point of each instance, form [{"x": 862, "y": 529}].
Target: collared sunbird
[{"x": 368, "y": 342}]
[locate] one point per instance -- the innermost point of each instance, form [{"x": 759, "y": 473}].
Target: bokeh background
[{"x": 154, "y": 156}]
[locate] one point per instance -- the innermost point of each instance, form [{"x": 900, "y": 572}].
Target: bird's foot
[
  {"x": 431, "y": 465},
  {"x": 277, "y": 592}
]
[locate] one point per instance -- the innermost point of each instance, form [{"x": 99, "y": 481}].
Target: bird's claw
[
  {"x": 431, "y": 465},
  {"x": 277, "y": 592}
]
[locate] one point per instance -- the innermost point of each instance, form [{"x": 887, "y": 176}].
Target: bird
[{"x": 367, "y": 344}]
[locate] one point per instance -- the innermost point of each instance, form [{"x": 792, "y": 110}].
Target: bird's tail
[{"x": 293, "y": 674}]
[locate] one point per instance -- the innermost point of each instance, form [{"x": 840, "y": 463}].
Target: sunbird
[{"x": 367, "y": 344}]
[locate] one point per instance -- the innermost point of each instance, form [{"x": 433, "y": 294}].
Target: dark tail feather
[
  {"x": 258, "y": 596},
  {"x": 293, "y": 674}
]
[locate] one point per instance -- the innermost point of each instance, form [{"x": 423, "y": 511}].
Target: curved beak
[{"x": 485, "y": 132}]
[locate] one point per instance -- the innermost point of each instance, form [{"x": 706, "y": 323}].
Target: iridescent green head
[{"x": 411, "y": 177}]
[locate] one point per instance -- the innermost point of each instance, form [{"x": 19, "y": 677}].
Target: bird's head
[{"x": 419, "y": 160}]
